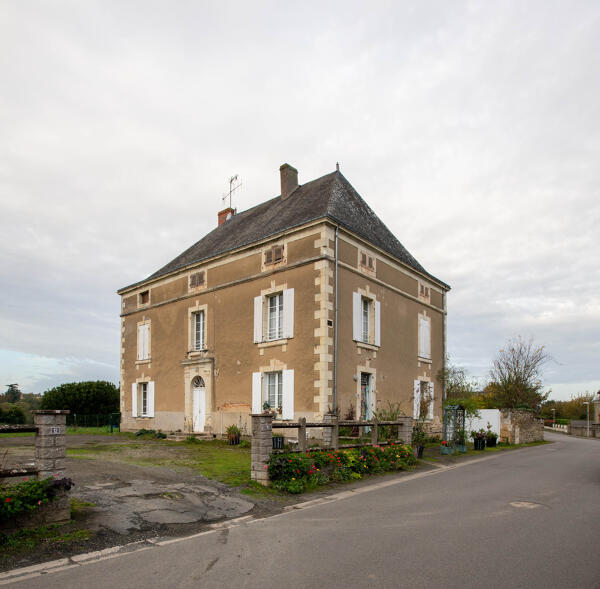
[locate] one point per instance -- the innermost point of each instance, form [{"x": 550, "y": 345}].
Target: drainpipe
[
  {"x": 335, "y": 326},
  {"x": 444, "y": 348}
]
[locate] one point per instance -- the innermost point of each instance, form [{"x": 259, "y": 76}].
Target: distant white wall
[{"x": 491, "y": 416}]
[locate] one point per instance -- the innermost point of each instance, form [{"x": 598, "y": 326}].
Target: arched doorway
[{"x": 198, "y": 404}]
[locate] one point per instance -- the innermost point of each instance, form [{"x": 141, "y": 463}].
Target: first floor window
[
  {"x": 143, "y": 342},
  {"x": 424, "y": 337},
  {"x": 273, "y": 384},
  {"x": 275, "y": 316},
  {"x": 365, "y": 320},
  {"x": 423, "y": 399},
  {"x": 198, "y": 326}
]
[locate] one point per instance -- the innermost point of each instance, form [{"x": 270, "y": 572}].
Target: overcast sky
[{"x": 471, "y": 128}]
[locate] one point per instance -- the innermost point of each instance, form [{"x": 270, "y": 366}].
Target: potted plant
[
  {"x": 446, "y": 447},
  {"x": 233, "y": 435},
  {"x": 491, "y": 437},
  {"x": 278, "y": 441},
  {"x": 478, "y": 439},
  {"x": 418, "y": 438},
  {"x": 460, "y": 441}
]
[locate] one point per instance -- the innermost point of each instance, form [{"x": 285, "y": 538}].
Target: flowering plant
[
  {"x": 295, "y": 472},
  {"x": 29, "y": 495}
]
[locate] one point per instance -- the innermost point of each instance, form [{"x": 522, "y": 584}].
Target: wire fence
[{"x": 112, "y": 420}]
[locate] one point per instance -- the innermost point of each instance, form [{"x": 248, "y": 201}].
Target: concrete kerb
[{"x": 63, "y": 564}]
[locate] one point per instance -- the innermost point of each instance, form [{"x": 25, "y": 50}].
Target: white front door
[{"x": 198, "y": 408}]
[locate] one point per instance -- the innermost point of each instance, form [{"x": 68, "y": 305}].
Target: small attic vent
[
  {"x": 274, "y": 255},
  {"x": 144, "y": 297},
  {"x": 197, "y": 280}
]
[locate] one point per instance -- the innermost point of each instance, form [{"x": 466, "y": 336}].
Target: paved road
[{"x": 528, "y": 518}]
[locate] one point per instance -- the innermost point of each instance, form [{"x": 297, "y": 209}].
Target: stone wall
[{"x": 518, "y": 426}]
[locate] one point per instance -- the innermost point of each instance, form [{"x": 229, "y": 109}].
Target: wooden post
[
  {"x": 302, "y": 445},
  {"x": 374, "y": 432}
]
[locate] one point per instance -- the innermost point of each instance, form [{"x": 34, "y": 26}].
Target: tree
[
  {"x": 574, "y": 408},
  {"x": 515, "y": 377},
  {"x": 12, "y": 415},
  {"x": 12, "y": 394},
  {"x": 455, "y": 381},
  {"x": 83, "y": 398}
]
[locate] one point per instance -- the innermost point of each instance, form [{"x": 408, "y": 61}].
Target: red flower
[{"x": 7, "y": 500}]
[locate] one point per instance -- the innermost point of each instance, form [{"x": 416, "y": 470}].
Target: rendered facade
[{"x": 246, "y": 318}]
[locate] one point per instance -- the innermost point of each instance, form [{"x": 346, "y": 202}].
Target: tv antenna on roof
[{"x": 232, "y": 188}]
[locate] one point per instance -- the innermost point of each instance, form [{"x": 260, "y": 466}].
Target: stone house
[{"x": 306, "y": 302}]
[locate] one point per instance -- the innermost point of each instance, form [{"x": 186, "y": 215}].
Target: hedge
[{"x": 294, "y": 473}]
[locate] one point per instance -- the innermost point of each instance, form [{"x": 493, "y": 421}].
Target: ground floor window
[{"x": 273, "y": 385}]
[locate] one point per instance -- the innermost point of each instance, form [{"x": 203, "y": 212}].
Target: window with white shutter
[
  {"x": 366, "y": 319},
  {"x": 424, "y": 337},
  {"x": 417, "y": 399},
  {"x": 143, "y": 341},
  {"x": 274, "y": 316}
]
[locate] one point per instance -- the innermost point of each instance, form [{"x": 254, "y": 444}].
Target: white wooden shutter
[
  {"x": 150, "y": 406},
  {"x": 258, "y": 320},
  {"x": 421, "y": 337},
  {"x": 146, "y": 350},
  {"x": 417, "y": 399},
  {"x": 427, "y": 337},
  {"x": 430, "y": 412},
  {"x": 287, "y": 411},
  {"x": 356, "y": 317},
  {"x": 134, "y": 400},
  {"x": 256, "y": 393},
  {"x": 288, "y": 312},
  {"x": 377, "y": 323},
  {"x": 140, "y": 342}
]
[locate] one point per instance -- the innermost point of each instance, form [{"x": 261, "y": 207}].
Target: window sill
[
  {"x": 427, "y": 360},
  {"x": 271, "y": 343},
  {"x": 367, "y": 346},
  {"x": 145, "y": 361},
  {"x": 197, "y": 353}
]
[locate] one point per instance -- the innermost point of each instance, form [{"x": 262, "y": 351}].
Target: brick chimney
[
  {"x": 289, "y": 180},
  {"x": 225, "y": 214}
]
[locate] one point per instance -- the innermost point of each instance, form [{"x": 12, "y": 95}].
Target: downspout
[
  {"x": 335, "y": 326},
  {"x": 444, "y": 348}
]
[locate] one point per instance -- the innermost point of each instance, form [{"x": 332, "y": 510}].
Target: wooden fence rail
[{"x": 263, "y": 426}]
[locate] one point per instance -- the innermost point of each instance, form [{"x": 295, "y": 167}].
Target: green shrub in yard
[
  {"x": 294, "y": 473},
  {"x": 150, "y": 433},
  {"x": 29, "y": 495}
]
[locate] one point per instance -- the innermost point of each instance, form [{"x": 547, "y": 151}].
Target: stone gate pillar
[
  {"x": 50, "y": 443},
  {"x": 262, "y": 447}
]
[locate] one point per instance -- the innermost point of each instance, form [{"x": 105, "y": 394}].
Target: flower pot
[
  {"x": 462, "y": 448},
  {"x": 419, "y": 450},
  {"x": 479, "y": 444},
  {"x": 233, "y": 440},
  {"x": 277, "y": 442},
  {"x": 446, "y": 450},
  {"x": 491, "y": 442}
]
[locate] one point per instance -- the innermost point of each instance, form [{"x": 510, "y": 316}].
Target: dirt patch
[{"x": 133, "y": 490}]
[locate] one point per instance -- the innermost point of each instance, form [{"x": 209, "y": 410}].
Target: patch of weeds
[
  {"x": 255, "y": 489},
  {"x": 26, "y": 540},
  {"x": 78, "y": 506},
  {"x": 171, "y": 495}
]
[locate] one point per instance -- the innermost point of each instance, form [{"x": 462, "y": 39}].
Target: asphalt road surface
[{"x": 528, "y": 518}]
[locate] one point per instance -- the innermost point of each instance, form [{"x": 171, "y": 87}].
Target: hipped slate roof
[{"x": 330, "y": 196}]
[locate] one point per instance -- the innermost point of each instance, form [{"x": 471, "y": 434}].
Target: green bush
[
  {"x": 152, "y": 433},
  {"x": 12, "y": 415},
  {"x": 294, "y": 473},
  {"x": 84, "y": 398},
  {"x": 29, "y": 495}
]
